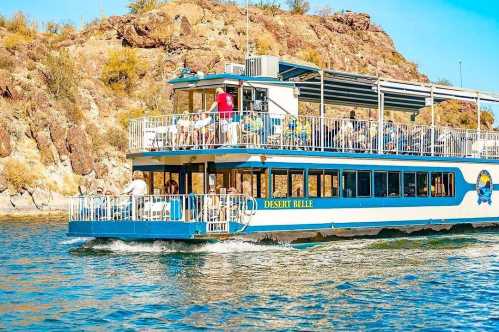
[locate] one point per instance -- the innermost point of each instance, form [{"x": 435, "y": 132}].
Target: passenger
[
  {"x": 213, "y": 205},
  {"x": 184, "y": 130},
  {"x": 224, "y": 105},
  {"x": 171, "y": 187},
  {"x": 137, "y": 189},
  {"x": 202, "y": 132}
]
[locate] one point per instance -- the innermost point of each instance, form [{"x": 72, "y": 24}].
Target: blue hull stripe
[
  {"x": 325, "y": 154},
  {"x": 143, "y": 230}
]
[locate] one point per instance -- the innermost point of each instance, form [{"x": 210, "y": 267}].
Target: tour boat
[{"x": 273, "y": 173}]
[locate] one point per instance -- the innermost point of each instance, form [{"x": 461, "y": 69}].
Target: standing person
[
  {"x": 224, "y": 104},
  {"x": 137, "y": 189}
]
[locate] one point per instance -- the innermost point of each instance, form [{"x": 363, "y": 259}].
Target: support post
[
  {"x": 432, "y": 120},
  {"x": 205, "y": 181},
  {"x": 479, "y": 114},
  {"x": 322, "y": 111},
  {"x": 381, "y": 115}
]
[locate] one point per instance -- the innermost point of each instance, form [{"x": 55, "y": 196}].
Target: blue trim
[
  {"x": 300, "y": 153},
  {"x": 228, "y": 76},
  {"x": 137, "y": 229}
]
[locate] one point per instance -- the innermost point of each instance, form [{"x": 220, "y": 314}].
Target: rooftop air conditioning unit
[
  {"x": 262, "y": 66},
  {"x": 234, "y": 68}
]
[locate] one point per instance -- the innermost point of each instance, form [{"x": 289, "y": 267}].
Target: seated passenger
[
  {"x": 184, "y": 130},
  {"x": 171, "y": 187}
]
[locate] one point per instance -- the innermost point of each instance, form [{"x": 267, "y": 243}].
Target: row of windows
[{"x": 326, "y": 183}]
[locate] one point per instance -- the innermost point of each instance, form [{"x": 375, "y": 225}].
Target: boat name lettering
[{"x": 289, "y": 204}]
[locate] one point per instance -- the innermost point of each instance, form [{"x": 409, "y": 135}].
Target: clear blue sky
[{"x": 435, "y": 34}]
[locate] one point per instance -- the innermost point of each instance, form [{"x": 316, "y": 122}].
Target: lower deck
[{"x": 253, "y": 195}]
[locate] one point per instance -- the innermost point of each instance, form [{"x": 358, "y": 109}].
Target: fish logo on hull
[{"x": 484, "y": 187}]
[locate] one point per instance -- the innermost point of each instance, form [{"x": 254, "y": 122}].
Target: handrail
[
  {"x": 179, "y": 208},
  {"x": 282, "y": 131}
]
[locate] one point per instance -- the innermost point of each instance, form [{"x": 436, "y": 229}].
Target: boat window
[
  {"x": 251, "y": 182},
  {"x": 279, "y": 183},
  {"x": 422, "y": 184},
  {"x": 349, "y": 181},
  {"x": 393, "y": 184},
  {"x": 297, "y": 180},
  {"x": 323, "y": 183},
  {"x": 364, "y": 183},
  {"x": 409, "y": 184},
  {"x": 380, "y": 184},
  {"x": 442, "y": 184}
]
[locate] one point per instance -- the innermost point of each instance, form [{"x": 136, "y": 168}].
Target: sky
[{"x": 435, "y": 34}]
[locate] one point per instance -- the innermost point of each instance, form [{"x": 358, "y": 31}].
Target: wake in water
[
  {"x": 162, "y": 247},
  {"x": 77, "y": 240}
]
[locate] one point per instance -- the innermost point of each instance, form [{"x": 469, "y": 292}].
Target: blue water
[{"x": 49, "y": 282}]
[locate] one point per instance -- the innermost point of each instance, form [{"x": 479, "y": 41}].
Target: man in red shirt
[{"x": 225, "y": 107}]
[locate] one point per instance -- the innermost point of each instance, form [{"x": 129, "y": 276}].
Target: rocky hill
[{"x": 66, "y": 95}]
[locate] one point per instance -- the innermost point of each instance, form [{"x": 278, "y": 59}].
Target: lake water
[{"x": 51, "y": 282}]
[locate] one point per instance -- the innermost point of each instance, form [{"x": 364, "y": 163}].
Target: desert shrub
[
  {"x": 122, "y": 69},
  {"x": 263, "y": 46},
  {"x": 73, "y": 111},
  {"x": 60, "y": 74},
  {"x": 325, "y": 11},
  {"x": 118, "y": 138},
  {"x": 299, "y": 7},
  {"x": 6, "y": 61},
  {"x": 14, "y": 40},
  {"x": 143, "y": 6},
  {"x": 19, "y": 23},
  {"x": 311, "y": 55},
  {"x": 125, "y": 116},
  {"x": 3, "y": 21},
  {"x": 272, "y": 7},
  {"x": 19, "y": 176}
]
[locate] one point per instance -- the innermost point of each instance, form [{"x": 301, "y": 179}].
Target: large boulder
[
  {"x": 43, "y": 143},
  {"x": 5, "y": 144},
  {"x": 58, "y": 136},
  {"x": 80, "y": 151},
  {"x": 150, "y": 30}
]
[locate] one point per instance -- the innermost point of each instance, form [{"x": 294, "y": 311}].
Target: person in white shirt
[{"x": 137, "y": 187}]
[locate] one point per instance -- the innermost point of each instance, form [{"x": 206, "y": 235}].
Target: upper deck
[{"x": 266, "y": 116}]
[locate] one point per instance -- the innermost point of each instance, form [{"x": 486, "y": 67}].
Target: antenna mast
[{"x": 247, "y": 28}]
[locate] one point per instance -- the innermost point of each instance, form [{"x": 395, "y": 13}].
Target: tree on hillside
[
  {"x": 443, "y": 81},
  {"x": 298, "y": 6},
  {"x": 143, "y": 6}
]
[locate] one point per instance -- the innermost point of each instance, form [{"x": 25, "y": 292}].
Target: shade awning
[{"x": 360, "y": 90}]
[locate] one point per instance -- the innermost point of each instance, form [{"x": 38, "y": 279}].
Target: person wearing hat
[{"x": 224, "y": 104}]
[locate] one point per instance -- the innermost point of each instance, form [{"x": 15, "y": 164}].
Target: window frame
[{"x": 321, "y": 183}]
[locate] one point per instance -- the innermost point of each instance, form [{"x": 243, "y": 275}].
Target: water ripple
[{"x": 50, "y": 282}]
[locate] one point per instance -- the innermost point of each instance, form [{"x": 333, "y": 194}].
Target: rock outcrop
[
  {"x": 5, "y": 144},
  {"x": 80, "y": 151}
]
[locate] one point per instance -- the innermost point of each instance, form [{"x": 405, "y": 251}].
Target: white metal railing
[
  {"x": 212, "y": 208},
  {"x": 279, "y": 131}
]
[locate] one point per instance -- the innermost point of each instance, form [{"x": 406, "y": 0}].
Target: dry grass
[
  {"x": 144, "y": 6},
  {"x": 14, "y": 41},
  {"x": 19, "y": 176}
]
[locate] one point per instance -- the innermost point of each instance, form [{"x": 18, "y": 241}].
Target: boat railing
[
  {"x": 209, "y": 208},
  {"x": 284, "y": 131}
]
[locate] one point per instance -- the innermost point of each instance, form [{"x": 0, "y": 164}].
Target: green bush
[
  {"x": 143, "y": 6},
  {"x": 270, "y": 6},
  {"x": 299, "y": 7},
  {"x": 122, "y": 69},
  {"x": 60, "y": 74}
]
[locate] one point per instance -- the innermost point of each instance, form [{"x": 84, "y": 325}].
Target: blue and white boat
[{"x": 273, "y": 173}]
